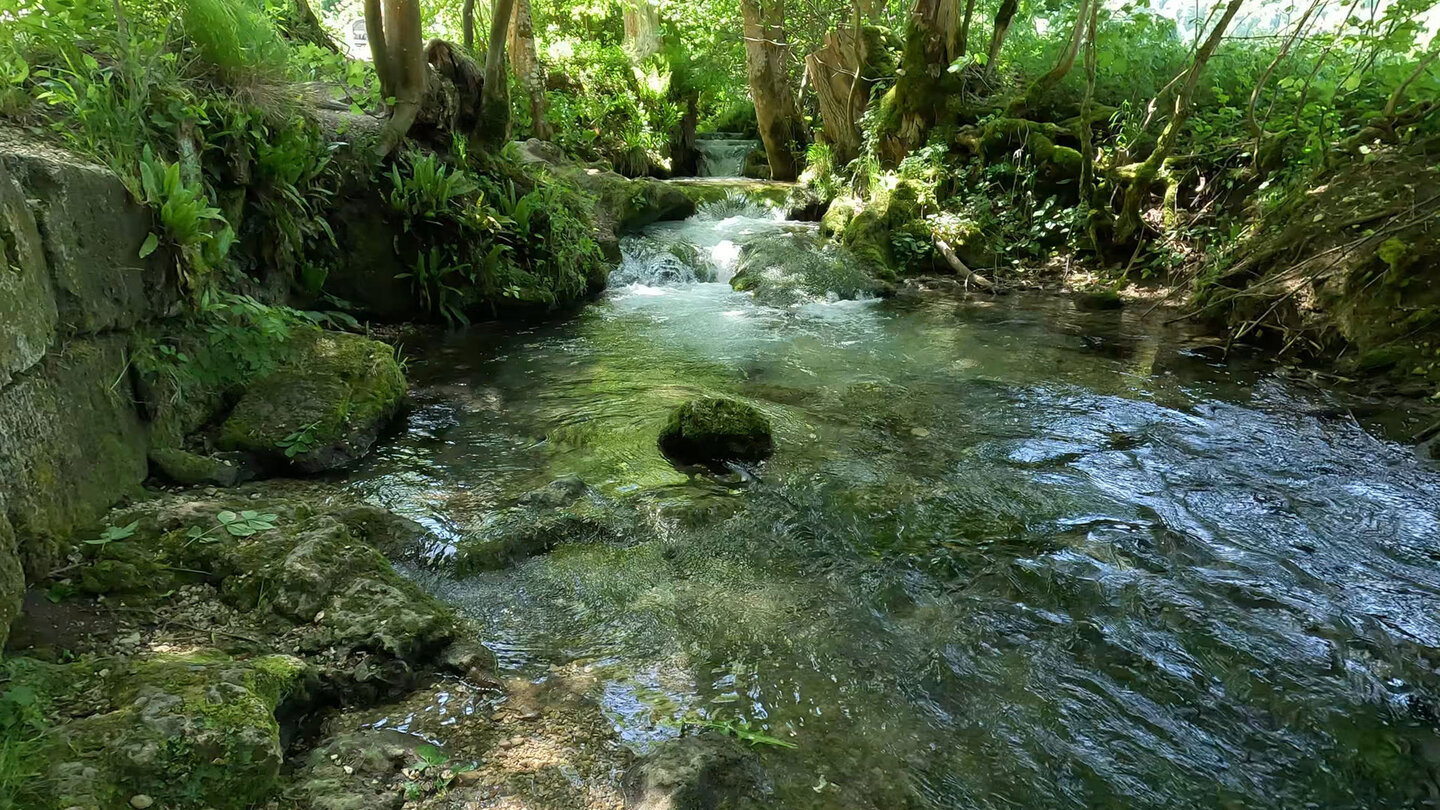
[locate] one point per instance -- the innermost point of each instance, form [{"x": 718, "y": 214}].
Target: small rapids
[
  {"x": 724, "y": 155},
  {"x": 1008, "y": 554}
]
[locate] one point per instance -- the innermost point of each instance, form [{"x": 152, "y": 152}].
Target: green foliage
[
  {"x": 197, "y": 229},
  {"x": 235, "y": 524},
  {"x": 235, "y": 38},
  {"x": 429, "y": 188},
  {"x": 112, "y": 534}
]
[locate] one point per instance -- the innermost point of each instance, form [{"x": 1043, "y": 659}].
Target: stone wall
[{"x": 72, "y": 286}]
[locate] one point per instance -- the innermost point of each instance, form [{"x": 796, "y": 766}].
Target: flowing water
[
  {"x": 1007, "y": 554},
  {"x": 724, "y": 155}
]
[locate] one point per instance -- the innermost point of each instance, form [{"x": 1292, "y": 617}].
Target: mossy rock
[
  {"x": 321, "y": 567},
  {"x": 566, "y": 511},
  {"x": 190, "y": 730},
  {"x": 323, "y": 408},
  {"x": 716, "y": 429},
  {"x": 868, "y": 237},
  {"x": 789, "y": 269},
  {"x": 192, "y": 469},
  {"x": 708, "y": 770},
  {"x": 838, "y": 215},
  {"x": 1097, "y": 300}
]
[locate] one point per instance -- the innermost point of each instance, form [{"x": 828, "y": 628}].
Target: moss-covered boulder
[
  {"x": 12, "y": 578},
  {"x": 838, "y": 215},
  {"x": 185, "y": 730},
  {"x": 716, "y": 429},
  {"x": 789, "y": 269},
  {"x": 757, "y": 165},
  {"x": 867, "y": 236},
  {"x": 315, "y": 564},
  {"x": 323, "y": 407},
  {"x": 71, "y": 445},
  {"x": 1097, "y": 300},
  {"x": 192, "y": 469},
  {"x": 27, "y": 305}
]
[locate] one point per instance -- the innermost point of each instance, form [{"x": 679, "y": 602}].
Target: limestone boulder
[
  {"x": 71, "y": 444},
  {"x": 323, "y": 408}
]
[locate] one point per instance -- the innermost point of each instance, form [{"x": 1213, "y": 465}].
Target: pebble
[
  {"x": 140, "y": 801},
  {"x": 254, "y": 496}
]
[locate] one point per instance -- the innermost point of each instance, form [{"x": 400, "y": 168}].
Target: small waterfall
[{"x": 724, "y": 156}]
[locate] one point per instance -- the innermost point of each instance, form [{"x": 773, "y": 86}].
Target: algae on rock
[
  {"x": 323, "y": 407},
  {"x": 716, "y": 429},
  {"x": 192, "y": 729}
]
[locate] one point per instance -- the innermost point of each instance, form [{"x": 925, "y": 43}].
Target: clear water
[{"x": 1007, "y": 555}]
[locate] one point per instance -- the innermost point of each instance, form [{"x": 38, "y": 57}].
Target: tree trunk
[
  {"x": 467, "y": 25},
  {"x": 1087, "y": 147},
  {"x": 962, "y": 37},
  {"x": 528, "y": 68},
  {"x": 379, "y": 53},
  {"x": 1003, "y": 16},
  {"x": 306, "y": 27},
  {"x": 837, "y": 72},
  {"x": 1146, "y": 173},
  {"x": 767, "y": 58},
  {"x": 404, "y": 60},
  {"x": 642, "y": 29},
  {"x": 916, "y": 99},
  {"x": 1067, "y": 56},
  {"x": 494, "y": 126}
]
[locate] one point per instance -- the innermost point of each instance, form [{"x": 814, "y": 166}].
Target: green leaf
[
  {"x": 151, "y": 243},
  {"x": 227, "y": 517}
]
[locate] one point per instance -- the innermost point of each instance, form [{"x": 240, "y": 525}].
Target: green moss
[
  {"x": 838, "y": 215},
  {"x": 716, "y": 429},
  {"x": 323, "y": 407},
  {"x": 191, "y": 730},
  {"x": 184, "y": 467},
  {"x": 868, "y": 237}
]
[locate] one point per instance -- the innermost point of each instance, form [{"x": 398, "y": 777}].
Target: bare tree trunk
[
  {"x": 403, "y": 55},
  {"x": 1003, "y": 16},
  {"x": 467, "y": 25},
  {"x": 528, "y": 68},
  {"x": 642, "y": 29},
  {"x": 1067, "y": 56},
  {"x": 1087, "y": 149},
  {"x": 837, "y": 72},
  {"x": 379, "y": 52},
  {"x": 767, "y": 59},
  {"x": 1149, "y": 170},
  {"x": 962, "y": 37},
  {"x": 1284, "y": 51},
  {"x": 495, "y": 96},
  {"x": 1389, "y": 111}
]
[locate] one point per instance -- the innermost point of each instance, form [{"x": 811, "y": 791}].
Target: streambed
[{"x": 1007, "y": 555}]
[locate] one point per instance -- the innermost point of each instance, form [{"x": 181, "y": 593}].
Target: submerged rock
[
  {"x": 323, "y": 408},
  {"x": 566, "y": 511},
  {"x": 716, "y": 429},
  {"x": 703, "y": 772},
  {"x": 789, "y": 269}
]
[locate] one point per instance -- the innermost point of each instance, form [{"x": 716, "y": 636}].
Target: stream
[{"x": 1008, "y": 554}]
